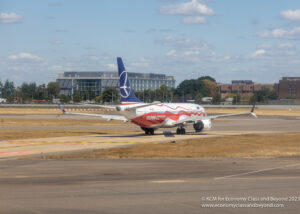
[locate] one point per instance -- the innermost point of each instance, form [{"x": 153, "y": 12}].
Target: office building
[
  {"x": 289, "y": 87},
  {"x": 97, "y": 81},
  {"x": 243, "y": 87}
]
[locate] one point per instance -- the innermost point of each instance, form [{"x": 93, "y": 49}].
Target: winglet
[
  {"x": 252, "y": 111},
  {"x": 254, "y": 115},
  {"x": 61, "y": 108},
  {"x": 253, "y": 107}
]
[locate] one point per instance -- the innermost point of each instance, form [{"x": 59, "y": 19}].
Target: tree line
[
  {"x": 192, "y": 90},
  {"x": 28, "y": 92}
]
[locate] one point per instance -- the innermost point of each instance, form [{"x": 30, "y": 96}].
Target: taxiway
[{"x": 146, "y": 185}]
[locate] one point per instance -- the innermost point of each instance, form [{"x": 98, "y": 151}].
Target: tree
[
  {"x": 273, "y": 95},
  {"x": 88, "y": 94},
  {"x": 207, "y": 78},
  {"x": 28, "y": 91},
  {"x": 1, "y": 88},
  {"x": 236, "y": 99},
  {"x": 64, "y": 98},
  {"x": 109, "y": 94},
  {"x": 290, "y": 97},
  {"x": 8, "y": 90},
  {"x": 198, "y": 97},
  {"x": 53, "y": 89},
  {"x": 77, "y": 96},
  {"x": 147, "y": 96},
  {"x": 98, "y": 99},
  {"x": 211, "y": 86},
  {"x": 41, "y": 93},
  {"x": 216, "y": 98},
  {"x": 188, "y": 89},
  {"x": 252, "y": 100},
  {"x": 265, "y": 94},
  {"x": 261, "y": 96},
  {"x": 165, "y": 93}
]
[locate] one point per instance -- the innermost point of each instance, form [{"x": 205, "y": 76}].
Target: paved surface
[
  {"x": 230, "y": 126},
  {"x": 148, "y": 185}
]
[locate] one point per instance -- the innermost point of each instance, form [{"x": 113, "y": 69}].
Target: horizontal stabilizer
[{"x": 104, "y": 116}]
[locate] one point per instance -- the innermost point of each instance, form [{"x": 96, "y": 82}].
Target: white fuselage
[{"x": 162, "y": 115}]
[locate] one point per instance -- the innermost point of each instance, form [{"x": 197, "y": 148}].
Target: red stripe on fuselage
[
  {"x": 161, "y": 105},
  {"x": 177, "y": 107},
  {"x": 151, "y": 119}
]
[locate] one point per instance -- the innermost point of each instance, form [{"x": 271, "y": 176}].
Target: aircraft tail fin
[{"x": 126, "y": 92}]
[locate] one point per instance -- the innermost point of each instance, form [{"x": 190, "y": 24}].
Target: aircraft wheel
[
  {"x": 180, "y": 131},
  {"x": 148, "y": 131},
  {"x": 183, "y": 131},
  {"x": 151, "y": 131}
]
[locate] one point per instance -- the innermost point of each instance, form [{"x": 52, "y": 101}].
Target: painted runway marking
[
  {"x": 167, "y": 181},
  {"x": 257, "y": 171},
  {"x": 21, "y": 176}
]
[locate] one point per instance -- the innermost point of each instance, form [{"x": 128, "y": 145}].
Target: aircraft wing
[
  {"x": 231, "y": 115},
  {"x": 104, "y": 116},
  {"x": 191, "y": 120},
  {"x": 100, "y": 106}
]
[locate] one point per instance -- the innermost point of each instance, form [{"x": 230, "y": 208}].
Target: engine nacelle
[{"x": 202, "y": 125}]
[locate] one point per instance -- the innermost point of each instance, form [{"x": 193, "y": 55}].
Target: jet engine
[{"x": 202, "y": 125}]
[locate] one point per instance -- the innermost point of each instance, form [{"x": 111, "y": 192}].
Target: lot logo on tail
[
  {"x": 125, "y": 87},
  {"x": 126, "y": 92}
]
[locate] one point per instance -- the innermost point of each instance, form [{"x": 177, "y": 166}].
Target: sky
[{"x": 227, "y": 39}]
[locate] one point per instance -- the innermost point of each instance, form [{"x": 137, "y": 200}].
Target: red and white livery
[{"x": 151, "y": 116}]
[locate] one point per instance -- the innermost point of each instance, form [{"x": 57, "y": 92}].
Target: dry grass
[
  {"x": 269, "y": 145},
  {"x": 42, "y": 111},
  {"x": 56, "y": 122},
  {"x": 29, "y": 134},
  {"x": 39, "y": 127},
  {"x": 29, "y": 111}
]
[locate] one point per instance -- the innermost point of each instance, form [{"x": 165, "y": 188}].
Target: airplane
[{"x": 152, "y": 116}]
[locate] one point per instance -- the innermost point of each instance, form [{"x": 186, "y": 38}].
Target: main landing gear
[
  {"x": 180, "y": 130},
  {"x": 148, "y": 131}
]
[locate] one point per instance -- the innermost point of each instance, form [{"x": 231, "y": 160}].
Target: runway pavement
[
  {"x": 233, "y": 126},
  {"x": 150, "y": 185}
]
